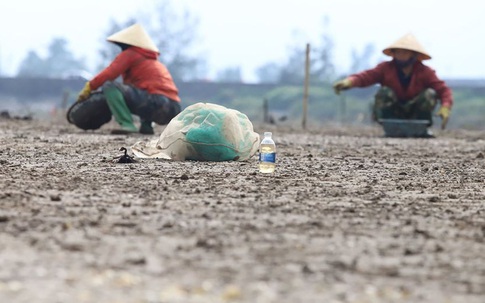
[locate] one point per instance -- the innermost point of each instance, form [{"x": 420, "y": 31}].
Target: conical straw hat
[
  {"x": 408, "y": 42},
  {"x": 134, "y": 35}
]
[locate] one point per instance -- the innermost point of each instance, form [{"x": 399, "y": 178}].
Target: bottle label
[{"x": 267, "y": 157}]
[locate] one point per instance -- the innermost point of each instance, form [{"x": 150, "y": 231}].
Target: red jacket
[
  {"x": 422, "y": 77},
  {"x": 139, "y": 67}
]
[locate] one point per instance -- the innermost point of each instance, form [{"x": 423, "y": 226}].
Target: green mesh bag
[{"x": 203, "y": 132}]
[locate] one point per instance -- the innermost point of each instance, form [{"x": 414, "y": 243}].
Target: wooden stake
[
  {"x": 343, "y": 108},
  {"x": 265, "y": 111},
  {"x": 305, "y": 88},
  {"x": 65, "y": 99}
]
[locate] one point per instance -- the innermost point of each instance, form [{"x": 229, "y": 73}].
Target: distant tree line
[
  {"x": 59, "y": 63},
  {"x": 175, "y": 34}
]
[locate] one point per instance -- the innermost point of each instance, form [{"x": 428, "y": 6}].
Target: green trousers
[
  {"x": 126, "y": 100},
  {"x": 387, "y": 106},
  {"x": 118, "y": 108}
]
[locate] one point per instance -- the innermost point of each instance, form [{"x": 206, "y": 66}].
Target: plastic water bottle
[{"x": 267, "y": 154}]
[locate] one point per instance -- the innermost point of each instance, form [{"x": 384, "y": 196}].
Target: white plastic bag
[{"x": 203, "y": 132}]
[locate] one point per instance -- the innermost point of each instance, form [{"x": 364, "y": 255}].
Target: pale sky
[{"x": 250, "y": 33}]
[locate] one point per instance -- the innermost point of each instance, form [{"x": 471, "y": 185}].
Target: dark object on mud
[
  {"x": 125, "y": 158},
  {"x": 400, "y": 128},
  {"x": 27, "y": 118},
  {"x": 273, "y": 120},
  {"x": 91, "y": 113},
  {"x": 6, "y": 115}
]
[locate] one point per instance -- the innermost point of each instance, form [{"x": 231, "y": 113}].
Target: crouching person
[
  {"x": 147, "y": 90},
  {"x": 409, "y": 89}
]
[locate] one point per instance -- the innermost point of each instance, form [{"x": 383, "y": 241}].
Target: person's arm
[
  {"x": 119, "y": 65},
  {"x": 445, "y": 96},
  {"x": 369, "y": 77},
  {"x": 362, "y": 79},
  {"x": 442, "y": 90}
]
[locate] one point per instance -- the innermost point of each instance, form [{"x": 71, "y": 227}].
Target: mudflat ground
[{"x": 349, "y": 216}]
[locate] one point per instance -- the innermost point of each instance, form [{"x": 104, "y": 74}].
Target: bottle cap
[{"x": 266, "y": 134}]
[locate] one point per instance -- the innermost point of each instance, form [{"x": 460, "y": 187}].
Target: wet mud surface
[{"x": 348, "y": 216}]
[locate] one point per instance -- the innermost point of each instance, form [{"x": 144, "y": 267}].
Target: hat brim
[
  {"x": 134, "y": 35},
  {"x": 421, "y": 56}
]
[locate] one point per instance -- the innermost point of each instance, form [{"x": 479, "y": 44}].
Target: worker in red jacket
[
  {"x": 409, "y": 89},
  {"x": 147, "y": 90}
]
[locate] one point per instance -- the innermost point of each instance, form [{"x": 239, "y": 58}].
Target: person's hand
[
  {"x": 85, "y": 92},
  {"x": 444, "y": 114},
  {"x": 342, "y": 85}
]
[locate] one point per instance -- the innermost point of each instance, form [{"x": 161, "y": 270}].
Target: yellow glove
[
  {"x": 84, "y": 94},
  {"x": 342, "y": 85},
  {"x": 444, "y": 113}
]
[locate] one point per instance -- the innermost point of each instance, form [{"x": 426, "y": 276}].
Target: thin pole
[
  {"x": 265, "y": 111},
  {"x": 65, "y": 99},
  {"x": 305, "y": 88},
  {"x": 343, "y": 108}
]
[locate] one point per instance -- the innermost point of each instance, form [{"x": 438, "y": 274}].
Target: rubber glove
[
  {"x": 444, "y": 113},
  {"x": 342, "y": 85},
  {"x": 85, "y": 92}
]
